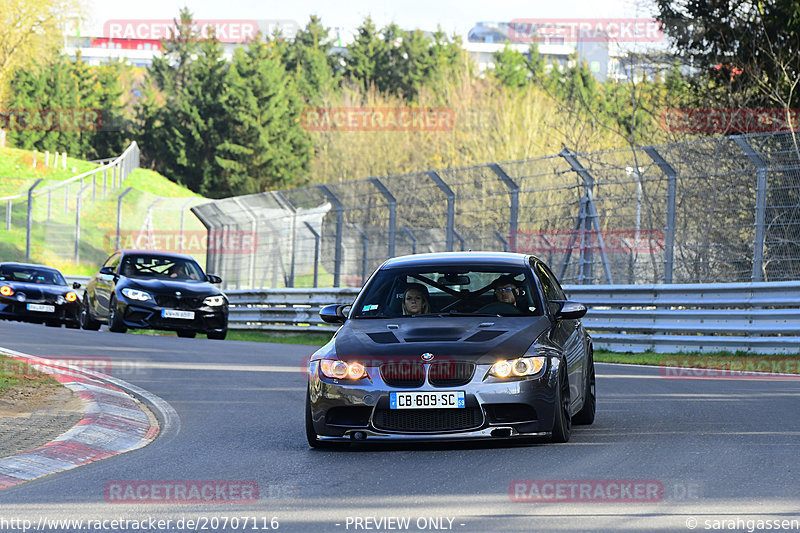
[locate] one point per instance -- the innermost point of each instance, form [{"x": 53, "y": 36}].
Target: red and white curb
[{"x": 113, "y": 422}]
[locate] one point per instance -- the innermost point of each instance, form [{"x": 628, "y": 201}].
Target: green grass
[
  {"x": 53, "y": 235},
  {"x": 313, "y": 339},
  {"x": 14, "y": 372},
  {"x": 788, "y": 364}
]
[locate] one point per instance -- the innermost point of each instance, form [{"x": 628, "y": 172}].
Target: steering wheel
[{"x": 499, "y": 308}]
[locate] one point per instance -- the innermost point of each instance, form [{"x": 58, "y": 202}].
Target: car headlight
[
  {"x": 515, "y": 368},
  {"x": 338, "y": 369},
  {"x": 70, "y": 296},
  {"x": 214, "y": 301},
  {"x": 60, "y": 300},
  {"x": 136, "y": 294},
  {"x": 5, "y": 290}
]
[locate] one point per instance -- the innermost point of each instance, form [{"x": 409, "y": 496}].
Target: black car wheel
[
  {"x": 115, "y": 322},
  {"x": 218, "y": 335},
  {"x": 562, "y": 422},
  {"x": 186, "y": 334},
  {"x": 586, "y": 415},
  {"x": 87, "y": 322}
]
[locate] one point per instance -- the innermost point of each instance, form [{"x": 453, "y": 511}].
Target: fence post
[
  {"x": 761, "y": 206},
  {"x": 119, "y": 211},
  {"x": 30, "y": 220},
  {"x": 66, "y": 198},
  {"x": 105, "y": 179},
  {"x": 392, "y": 214},
  {"x": 337, "y": 205},
  {"x": 8, "y": 215},
  {"x": 293, "y": 233},
  {"x": 591, "y": 211},
  {"x": 669, "y": 230},
  {"x": 502, "y": 240},
  {"x": 364, "y": 252},
  {"x": 513, "y": 216},
  {"x": 78, "y": 202},
  {"x": 253, "y": 223},
  {"x": 451, "y": 206},
  {"x": 412, "y": 237},
  {"x": 183, "y": 213},
  {"x": 316, "y": 251}
]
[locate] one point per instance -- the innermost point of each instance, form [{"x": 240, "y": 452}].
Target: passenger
[
  {"x": 506, "y": 289},
  {"x": 415, "y": 300},
  {"x": 178, "y": 270}
]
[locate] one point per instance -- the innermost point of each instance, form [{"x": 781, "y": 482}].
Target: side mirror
[
  {"x": 334, "y": 313},
  {"x": 570, "y": 311},
  {"x": 76, "y": 285},
  {"x": 212, "y": 278},
  {"x": 107, "y": 270}
]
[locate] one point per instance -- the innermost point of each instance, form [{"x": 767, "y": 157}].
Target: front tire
[
  {"x": 586, "y": 415},
  {"x": 562, "y": 422},
  {"x": 87, "y": 322},
  {"x": 311, "y": 434},
  {"x": 115, "y": 322},
  {"x": 217, "y": 335}
]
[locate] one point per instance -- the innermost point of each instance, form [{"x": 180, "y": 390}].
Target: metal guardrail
[
  {"x": 707, "y": 317},
  {"x": 701, "y": 317}
]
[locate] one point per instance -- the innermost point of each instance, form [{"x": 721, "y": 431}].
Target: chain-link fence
[
  {"x": 75, "y": 224},
  {"x": 713, "y": 210}
]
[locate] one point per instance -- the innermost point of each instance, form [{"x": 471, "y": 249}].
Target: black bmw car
[
  {"x": 38, "y": 293},
  {"x": 155, "y": 290},
  {"x": 453, "y": 346}
]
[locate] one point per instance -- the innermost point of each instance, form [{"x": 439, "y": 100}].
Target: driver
[{"x": 506, "y": 289}]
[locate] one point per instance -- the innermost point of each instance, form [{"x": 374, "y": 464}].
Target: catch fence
[{"x": 723, "y": 209}]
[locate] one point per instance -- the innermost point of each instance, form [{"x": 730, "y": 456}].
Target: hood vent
[
  {"x": 383, "y": 337},
  {"x": 484, "y": 336}
]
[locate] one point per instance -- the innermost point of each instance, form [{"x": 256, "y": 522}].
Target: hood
[
  {"x": 37, "y": 290},
  {"x": 479, "y": 339},
  {"x": 164, "y": 286}
]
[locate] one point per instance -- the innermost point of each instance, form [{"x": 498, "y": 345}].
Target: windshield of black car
[
  {"x": 160, "y": 267},
  {"x": 32, "y": 275},
  {"x": 449, "y": 291}
]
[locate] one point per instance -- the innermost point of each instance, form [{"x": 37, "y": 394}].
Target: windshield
[
  {"x": 160, "y": 267},
  {"x": 32, "y": 275},
  {"x": 455, "y": 291}
]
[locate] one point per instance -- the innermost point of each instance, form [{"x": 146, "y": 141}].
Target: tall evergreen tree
[{"x": 265, "y": 146}]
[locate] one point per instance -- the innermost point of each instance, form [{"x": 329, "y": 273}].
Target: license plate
[
  {"x": 42, "y": 308},
  {"x": 427, "y": 400},
  {"x": 174, "y": 313}
]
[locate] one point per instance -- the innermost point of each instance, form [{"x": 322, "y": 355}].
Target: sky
[{"x": 453, "y": 16}]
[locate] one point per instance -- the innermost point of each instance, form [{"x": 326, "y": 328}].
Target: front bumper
[
  {"x": 136, "y": 315},
  {"x": 345, "y": 411},
  {"x": 66, "y": 313}
]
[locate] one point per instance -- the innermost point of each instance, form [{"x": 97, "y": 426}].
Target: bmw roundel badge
[{"x": 427, "y": 356}]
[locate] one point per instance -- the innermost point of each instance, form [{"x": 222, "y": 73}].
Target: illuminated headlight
[
  {"x": 135, "y": 294},
  {"x": 337, "y": 369},
  {"x": 70, "y": 296},
  {"x": 214, "y": 301},
  {"x": 515, "y": 368},
  {"x": 5, "y": 290}
]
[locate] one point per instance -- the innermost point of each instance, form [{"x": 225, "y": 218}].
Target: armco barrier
[
  {"x": 704, "y": 317},
  {"x": 708, "y": 317},
  {"x": 665, "y": 318}
]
